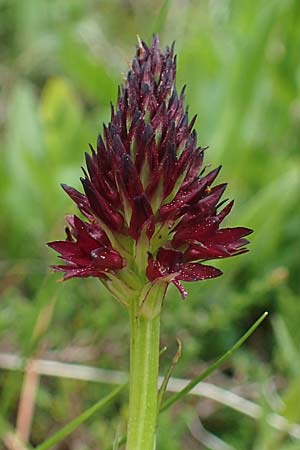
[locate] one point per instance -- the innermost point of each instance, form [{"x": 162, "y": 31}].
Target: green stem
[{"x": 144, "y": 361}]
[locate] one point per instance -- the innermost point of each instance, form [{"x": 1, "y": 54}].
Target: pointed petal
[
  {"x": 101, "y": 207},
  {"x": 189, "y": 196},
  {"x": 77, "y": 197},
  {"x": 130, "y": 179},
  {"x": 228, "y": 235},
  {"x": 106, "y": 259},
  {"x": 84, "y": 239},
  {"x": 195, "y": 272},
  {"x": 225, "y": 211},
  {"x": 141, "y": 212},
  {"x": 153, "y": 270},
  {"x": 169, "y": 258},
  {"x": 204, "y": 207},
  {"x": 65, "y": 248},
  {"x": 198, "y": 232},
  {"x": 181, "y": 289}
]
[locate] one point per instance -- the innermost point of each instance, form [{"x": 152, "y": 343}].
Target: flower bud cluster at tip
[{"x": 150, "y": 209}]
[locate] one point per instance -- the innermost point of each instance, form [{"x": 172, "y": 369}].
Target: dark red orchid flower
[{"x": 150, "y": 208}]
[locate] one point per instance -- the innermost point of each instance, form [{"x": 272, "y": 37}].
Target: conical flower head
[{"x": 152, "y": 213}]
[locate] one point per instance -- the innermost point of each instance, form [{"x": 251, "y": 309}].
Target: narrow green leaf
[
  {"x": 116, "y": 443},
  {"x": 71, "y": 426},
  {"x": 168, "y": 375},
  {"x": 120, "y": 441},
  {"x": 179, "y": 395}
]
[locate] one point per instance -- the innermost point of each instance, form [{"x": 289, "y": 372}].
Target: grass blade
[
  {"x": 168, "y": 375},
  {"x": 71, "y": 426},
  {"x": 179, "y": 395}
]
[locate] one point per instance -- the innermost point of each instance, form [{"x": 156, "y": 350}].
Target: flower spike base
[{"x": 144, "y": 361}]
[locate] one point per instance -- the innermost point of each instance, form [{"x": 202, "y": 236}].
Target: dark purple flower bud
[{"x": 151, "y": 210}]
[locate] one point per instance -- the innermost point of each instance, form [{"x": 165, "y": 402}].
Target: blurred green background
[{"x": 60, "y": 65}]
